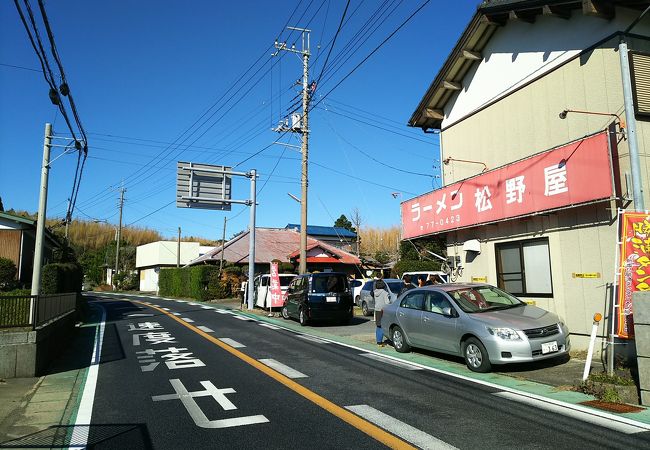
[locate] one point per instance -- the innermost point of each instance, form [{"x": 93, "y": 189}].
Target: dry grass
[{"x": 375, "y": 240}]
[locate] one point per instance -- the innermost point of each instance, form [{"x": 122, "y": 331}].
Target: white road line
[
  {"x": 193, "y": 304},
  {"x": 165, "y": 309},
  {"x": 187, "y": 320},
  {"x": 206, "y": 329},
  {"x": 81, "y": 430},
  {"x": 312, "y": 339},
  {"x": 222, "y": 311},
  {"x": 140, "y": 315},
  {"x": 207, "y": 307},
  {"x": 268, "y": 325},
  {"x": 284, "y": 370},
  {"x": 176, "y": 314},
  {"x": 399, "y": 429},
  {"x": 233, "y": 343},
  {"x": 579, "y": 415},
  {"x": 241, "y": 317},
  {"x": 392, "y": 362}
]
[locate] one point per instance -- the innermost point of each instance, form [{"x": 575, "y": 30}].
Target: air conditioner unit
[{"x": 473, "y": 245}]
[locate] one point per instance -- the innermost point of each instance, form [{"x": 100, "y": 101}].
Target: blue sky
[{"x": 143, "y": 72}]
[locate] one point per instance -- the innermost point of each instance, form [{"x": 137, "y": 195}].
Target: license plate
[
  {"x": 549, "y": 347},
  {"x": 330, "y": 299}
]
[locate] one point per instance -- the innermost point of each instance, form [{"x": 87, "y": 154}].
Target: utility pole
[
  {"x": 119, "y": 236},
  {"x": 40, "y": 222},
  {"x": 223, "y": 242},
  {"x": 178, "y": 249},
  {"x": 251, "y": 241},
  {"x": 303, "y": 129}
]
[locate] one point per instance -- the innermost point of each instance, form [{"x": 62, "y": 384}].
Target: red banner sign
[
  {"x": 569, "y": 175},
  {"x": 275, "y": 289},
  {"x": 634, "y": 268}
]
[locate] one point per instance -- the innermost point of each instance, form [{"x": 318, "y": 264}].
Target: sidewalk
[{"x": 37, "y": 412}]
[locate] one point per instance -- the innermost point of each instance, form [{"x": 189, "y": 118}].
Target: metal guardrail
[{"x": 34, "y": 310}]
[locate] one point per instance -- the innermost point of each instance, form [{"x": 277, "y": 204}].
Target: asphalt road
[{"x": 194, "y": 377}]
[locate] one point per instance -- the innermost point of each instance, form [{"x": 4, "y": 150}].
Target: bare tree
[{"x": 357, "y": 220}]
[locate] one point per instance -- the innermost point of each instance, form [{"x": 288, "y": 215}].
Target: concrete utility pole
[
  {"x": 303, "y": 129},
  {"x": 40, "y": 222},
  {"x": 119, "y": 236},
  {"x": 178, "y": 249},
  {"x": 251, "y": 241}
]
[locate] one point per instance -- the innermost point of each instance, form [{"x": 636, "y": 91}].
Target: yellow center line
[{"x": 361, "y": 424}]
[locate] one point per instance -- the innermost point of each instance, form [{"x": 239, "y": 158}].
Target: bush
[
  {"x": 199, "y": 282},
  {"x": 406, "y": 265},
  {"x": 7, "y": 274},
  {"x": 58, "y": 278}
]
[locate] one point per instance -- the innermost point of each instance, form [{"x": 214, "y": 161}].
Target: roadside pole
[
  {"x": 178, "y": 249},
  {"x": 40, "y": 222},
  {"x": 223, "y": 242},
  {"x": 119, "y": 236},
  {"x": 251, "y": 241}
]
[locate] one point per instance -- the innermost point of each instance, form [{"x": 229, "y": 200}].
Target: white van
[
  {"x": 440, "y": 277},
  {"x": 262, "y": 293}
]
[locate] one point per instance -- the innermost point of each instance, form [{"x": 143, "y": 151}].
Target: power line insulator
[{"x": 64, "y": 89}]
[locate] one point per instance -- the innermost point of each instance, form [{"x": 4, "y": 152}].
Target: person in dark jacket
[{"x": 408, "y": 285}]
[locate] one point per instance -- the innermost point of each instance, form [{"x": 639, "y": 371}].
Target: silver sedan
[{"x": 480, "y": 322}]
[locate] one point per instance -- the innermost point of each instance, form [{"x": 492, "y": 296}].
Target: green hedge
[
  {"x": 199, "y": 282},
  {"x": 407, "y": 265},
  {"x": 57, "y": 278}
]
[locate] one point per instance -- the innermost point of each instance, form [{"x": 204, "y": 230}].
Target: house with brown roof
[{"x": 281, "y": 244}]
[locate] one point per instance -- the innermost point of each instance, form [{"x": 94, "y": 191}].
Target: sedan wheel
[
  {"x": 476, "y": 356},
  {"x": 285, "y": 312},
  {"x": 364, "y": 309},
  {"x": 399, "y": 340}
]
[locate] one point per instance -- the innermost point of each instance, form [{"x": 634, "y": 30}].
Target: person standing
[
  {"x": 380, "y": 293},
  {"x": 407, "y": 284}
]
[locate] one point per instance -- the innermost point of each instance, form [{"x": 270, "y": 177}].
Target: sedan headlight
[{"x": 505, "y": 333}]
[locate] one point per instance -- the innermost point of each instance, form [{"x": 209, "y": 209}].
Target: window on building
[
  {"x": 524, "y": 268},
  {"x": 640, "y": 70}
]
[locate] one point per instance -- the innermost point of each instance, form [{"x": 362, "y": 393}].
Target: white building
[{"x": 149, "y": 258}]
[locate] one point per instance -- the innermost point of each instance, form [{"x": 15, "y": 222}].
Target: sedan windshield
[{"x": 483, "y": 298}]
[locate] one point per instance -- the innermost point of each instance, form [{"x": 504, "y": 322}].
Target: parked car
[
  {"x": 262, "y": 293},
  {"x": 356, "y": 285},
  {"x": 479, "y": 322},
  {"x": 319, "y": 296},
  {"x": 440, "y": 277},
  {"x": 367, "y": 300}
]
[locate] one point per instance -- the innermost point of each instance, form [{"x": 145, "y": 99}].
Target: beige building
[
  {"x": 497, "y": 100},
  {"x": 150, "y": 258}
]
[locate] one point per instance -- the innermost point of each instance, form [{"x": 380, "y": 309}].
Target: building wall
[
  {"x": 149, "y": 279},
  {"x": 164, "y": 253},
  {"x": 582, "y": 239},
  {"x": 10, "y": 246}
]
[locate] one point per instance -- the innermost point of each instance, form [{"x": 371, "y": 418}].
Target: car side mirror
[{"x": 447, "y": 311}]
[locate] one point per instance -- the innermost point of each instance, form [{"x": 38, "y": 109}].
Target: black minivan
[{"x": 319, "y": 296}]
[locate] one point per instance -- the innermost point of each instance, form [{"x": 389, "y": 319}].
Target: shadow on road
[{"x": 114, "y": 436}]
